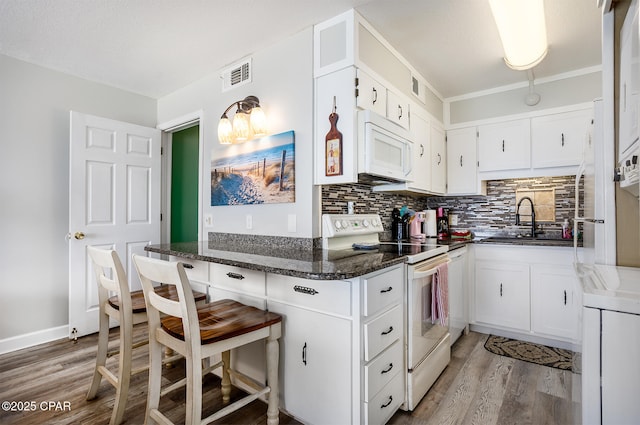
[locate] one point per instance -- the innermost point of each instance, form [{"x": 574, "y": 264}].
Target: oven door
[{"x": 422, "y": 335}]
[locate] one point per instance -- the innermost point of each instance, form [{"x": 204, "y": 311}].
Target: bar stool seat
[
  {"x": 198, "y": 334},
  {"x": 127, "y": 308}
]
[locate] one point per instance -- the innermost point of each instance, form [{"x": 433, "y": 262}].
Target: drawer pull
[
  {"x": 304, "y": 354},
  {"x": 388, "y": 331},
  {"x": 500, "y": 289},
  {"x": 305, "y": 290},
  {"x": 388, "y": 369},
  {"x": 187, "y": 265},
  {"x": 565, "y": 297},
  {"x": 235, "y": 275},
  {"x": 388, "y": 402},
  {"x": 389, "y": 289}
]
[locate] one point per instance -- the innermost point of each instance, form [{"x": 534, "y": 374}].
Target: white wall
[
  {"x": 34, "y": 171},
  {"x": 283, "y": 81}
]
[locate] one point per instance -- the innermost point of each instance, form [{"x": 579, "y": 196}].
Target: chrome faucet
[{"x": 533, "y": 215}]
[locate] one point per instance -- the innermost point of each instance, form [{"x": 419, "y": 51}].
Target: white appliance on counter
[{"x": 610, "y": 316}]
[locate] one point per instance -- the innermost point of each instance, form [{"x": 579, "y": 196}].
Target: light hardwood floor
[{"x": 477, "y": 387}]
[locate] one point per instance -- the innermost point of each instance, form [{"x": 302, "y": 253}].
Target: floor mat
[{"x": 534, "y": 353}]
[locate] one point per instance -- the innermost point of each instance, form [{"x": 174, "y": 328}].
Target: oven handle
[{"x": 418, "y": 273}]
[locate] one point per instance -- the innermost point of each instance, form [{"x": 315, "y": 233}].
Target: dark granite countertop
[{"x": 315, "y": 264}]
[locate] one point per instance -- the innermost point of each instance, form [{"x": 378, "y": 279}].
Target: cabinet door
[
  {"x": 558, "y": 140},
  {"x": 504, "y": 146},
  {"x": 438, "y": 160},
  {"x": 315, "y": 365},
  {"x": 502, "y": 294},
  {"x": 620, "y": 368},
  {"x": 554, "y": 309},
  {"x": 371, "y": 94},
  {"x": 462, "y": 160},
  {"x": 421, "y": 154},
  {"x": 397, "y": 109},
  {"x": 629, "y": 83}
]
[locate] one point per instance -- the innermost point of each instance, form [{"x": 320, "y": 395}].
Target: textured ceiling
[{"x": 154, "y": 47}]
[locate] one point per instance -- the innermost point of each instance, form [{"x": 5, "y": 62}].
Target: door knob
[{"x": 78, "y": 235}]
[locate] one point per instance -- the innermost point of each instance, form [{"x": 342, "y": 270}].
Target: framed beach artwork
[{"x": 261, "y": 171}]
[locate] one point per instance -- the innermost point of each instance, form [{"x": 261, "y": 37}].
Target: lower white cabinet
[
  {"x": 502, "y": 294},
  {"x": 526, "y": 291},
  {"x": 554, "y": 304},
  {"x": 315, "y": 365}
]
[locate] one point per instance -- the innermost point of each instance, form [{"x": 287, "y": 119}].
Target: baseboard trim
[{"x": 27, "y": 340}]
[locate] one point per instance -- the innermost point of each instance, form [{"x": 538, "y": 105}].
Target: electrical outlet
[
  {"x": 249, "y": 220},
  {"x": 453, "y": 219},
  {"x": 208, "y": 220}
]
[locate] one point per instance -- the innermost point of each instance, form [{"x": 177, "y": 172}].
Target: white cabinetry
[
  {"x": 554, "y": 303},
  {"x": 502, "y": 294},
  {"x": 315, "y": 350},
  {"x": 557, "y": 140},
  {"x": 520, "y": 291},
  {"x": 197, "y": 272},
  {"x": 421, "y": 165},
  {"x": 397, "y": 109},
  {"x": 371, "y": 94},
  {"x": 458, "y": 281},
  {"x": 438, "y": 160},
  {"x": 629, "y": 82},
  {"x": 504, "y": 146},
  {"x": 382, "y": 295},
  {"x": 462, "y": 163}
]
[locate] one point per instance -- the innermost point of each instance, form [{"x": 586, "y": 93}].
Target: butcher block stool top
[
  {"x": 167, "y": 291},
  {"x": 223, "y": 319}
]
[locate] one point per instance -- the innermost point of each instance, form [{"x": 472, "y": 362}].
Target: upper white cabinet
[
  {"x": 504, "y": 146},
  {"x": 557, "y": 140},
  {"x": 438, "y": 160},
  {"x": 462, "y": 163},
  {"x": 421, "y": 170},
  {"x": 371, "y": 94},
  {"x": 398, "y": 109},
  {"x": 629, "y": 82}
]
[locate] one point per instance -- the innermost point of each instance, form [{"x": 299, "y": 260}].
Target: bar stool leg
[
  {"x": 101, "y": 356},
  {"x": 124, "y": 373},
  {"x": 155, "y": 378},
  {"x": 226, "y": 379},
  {"x": 273, "y": 354},
  {"x": 194, "y": 390}
]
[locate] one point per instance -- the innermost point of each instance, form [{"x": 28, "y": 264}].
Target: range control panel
[{"x": 337, "y": 225}]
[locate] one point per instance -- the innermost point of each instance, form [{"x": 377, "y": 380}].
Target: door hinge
[
  {"x": 357, "y": 92},
  {"x": 357, "y": 81}
]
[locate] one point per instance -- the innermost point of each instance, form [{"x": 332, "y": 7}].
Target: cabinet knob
[
  {"x": 375, "y": 96},
  {"x": 389, "y": 289},
  {"x": 461, "y": 160},
  {"x": 235, "y": 275},
  {"x": 399, "y": 111},
  {"x": 388, "y": 331},
  {"x": 304, "y": 354},
  {"x": 501, "y": 289},
  {"x": 388, "y": 369},
  {"x": 388, "y": 402}
]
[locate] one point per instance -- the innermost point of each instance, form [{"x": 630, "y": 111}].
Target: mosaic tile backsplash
[{"x": 488, "y": 214}]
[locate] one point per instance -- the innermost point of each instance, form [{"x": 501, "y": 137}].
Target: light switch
[{"x": 208, "y": 220}]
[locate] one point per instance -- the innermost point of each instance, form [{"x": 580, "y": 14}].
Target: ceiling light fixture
[
  {"x": 248, "y": 122},
  {"x": 522, "y": 29}
]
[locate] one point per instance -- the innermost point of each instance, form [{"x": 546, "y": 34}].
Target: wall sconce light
[
  {"x": 522, "y": 29},
  {"x": 248, "y": 122}
]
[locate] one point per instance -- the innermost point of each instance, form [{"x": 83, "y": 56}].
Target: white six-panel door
[{"x": 114, "y": 201}]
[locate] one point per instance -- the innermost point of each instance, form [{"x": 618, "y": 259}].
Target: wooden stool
[
  {"x": 128, "y": 308},
  {"x": 198, "y": 334}
]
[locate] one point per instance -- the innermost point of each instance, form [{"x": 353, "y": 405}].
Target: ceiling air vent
[{"x": 236, "y": 75}]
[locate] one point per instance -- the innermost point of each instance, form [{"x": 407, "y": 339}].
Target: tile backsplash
[{"x": 481, "y": 214}]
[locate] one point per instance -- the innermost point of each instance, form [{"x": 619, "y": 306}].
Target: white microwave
[{"x": 384, "y": 148}]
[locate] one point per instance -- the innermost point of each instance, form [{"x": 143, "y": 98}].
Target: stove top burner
[{"x": 414, "y": 251}]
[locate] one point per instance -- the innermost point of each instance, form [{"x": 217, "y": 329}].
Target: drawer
[
  {"x": 196, "y": 269},
  {"x": 329, "y": 296},
  {"x": 382, "y": 331},
  {"x": 238, "y": 279},
  {"x": 382, "y": 290},
  {"x": 384, "y": 404},
  {"x": 382, "y": 369},
  {"x": 222, "y": 294}
]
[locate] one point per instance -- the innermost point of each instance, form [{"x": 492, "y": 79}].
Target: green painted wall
[{"x": 184, "y": 185}]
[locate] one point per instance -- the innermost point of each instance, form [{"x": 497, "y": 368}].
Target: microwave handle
[{"x": 408, "y": 159}]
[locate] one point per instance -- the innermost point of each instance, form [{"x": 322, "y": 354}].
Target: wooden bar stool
[
  {"x": 128, "y": 308},
  {"x": 198, "y": 334}
]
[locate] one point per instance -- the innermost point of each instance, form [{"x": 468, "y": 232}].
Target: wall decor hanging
[
  {"x": 261, "y": 171},
  {"x": 333, "y": 146}
]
